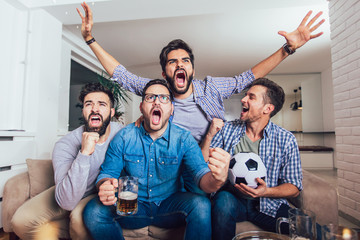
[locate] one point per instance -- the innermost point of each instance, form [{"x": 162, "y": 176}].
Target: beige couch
[{"x": 317, "y": 196}]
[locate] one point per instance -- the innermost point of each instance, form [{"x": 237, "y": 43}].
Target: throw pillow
[{"x": 41, "y": 175}]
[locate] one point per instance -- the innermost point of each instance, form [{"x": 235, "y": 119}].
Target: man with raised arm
[{"x": 196, "y": 101}]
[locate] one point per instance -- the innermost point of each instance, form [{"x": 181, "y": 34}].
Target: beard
[
  {"x": 172, "y": 83},
  {"x": 100, "y": 130}
]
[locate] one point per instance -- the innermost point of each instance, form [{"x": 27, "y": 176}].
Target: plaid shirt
[
  {"x": 209, "y": 93},
  {"x": 278, "y": 150}
]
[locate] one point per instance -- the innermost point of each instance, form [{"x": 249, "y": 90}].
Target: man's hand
[
  {"x": 107, "y": 191},
  {"x": 88, "y": 143},
  {"x": 219, "y": 164},
  {"x": 302, "y": 34},
  {"x": 215, "y": 127},
  {"x": 86, "y": 22},
  {"x": 254, "y": 193},
  {"x": 139, "y": 121}
]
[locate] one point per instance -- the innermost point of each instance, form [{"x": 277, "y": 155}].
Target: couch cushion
[
  {"x": 41, "y": 175},
  {"x": 141, "y": 233},
  {"x": 167, "y": 233}
]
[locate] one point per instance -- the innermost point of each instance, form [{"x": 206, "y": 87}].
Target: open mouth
[
  {"x": 95, "y": 120},
  {"x": 180, "y": 77},
  {"x": 156, "y": 116},
  {"x": 245, "y": 109}
]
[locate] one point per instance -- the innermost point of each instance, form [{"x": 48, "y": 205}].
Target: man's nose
[
  {"x": 243, "y": 100},
  {"x": 95, "y": 108},
  {"x": 180, "y": 64},
  {"x": 157, "y": 100}
]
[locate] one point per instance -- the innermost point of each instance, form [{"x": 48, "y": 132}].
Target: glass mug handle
[
  {"x": 116, "y": 195},
  {"x": 279, "y": 221}
]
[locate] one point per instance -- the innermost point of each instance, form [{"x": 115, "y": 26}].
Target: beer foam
[{"x": 128, "y": 195}]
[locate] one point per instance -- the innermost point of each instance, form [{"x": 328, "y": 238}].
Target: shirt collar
[
  {"x": 165, "y": 135},
  {"x": 198, "y": 90},
  {"x": 267, "y": 130}
]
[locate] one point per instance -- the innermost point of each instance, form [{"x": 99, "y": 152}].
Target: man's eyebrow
[
  {"x": 91, "y": 101},
  {"x": 251, "y": 94}
]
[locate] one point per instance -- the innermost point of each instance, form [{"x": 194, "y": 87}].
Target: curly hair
[
  {"x": 96, "y": 87},
  {"x": 174, "y": 45}
]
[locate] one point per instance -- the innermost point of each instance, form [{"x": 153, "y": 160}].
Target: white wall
[
  {"x": 37, "y": 81},
  {"x": 328, "y": 100},
  {"x": 345, "y": 51},
  {"x": 13, "y": 54},
  {"x": 30, "y": 62}
]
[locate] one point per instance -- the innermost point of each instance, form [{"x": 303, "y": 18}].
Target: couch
[{"x": 317, "y": 195}]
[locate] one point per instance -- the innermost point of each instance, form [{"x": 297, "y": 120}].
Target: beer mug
[
  {"x": 335, "y": 232},
  {"x": 127, "y": 203},
  {"x": 302, "y": 224}
]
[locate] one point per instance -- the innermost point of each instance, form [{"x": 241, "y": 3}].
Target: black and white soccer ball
[{"x": 245, "y": 168}]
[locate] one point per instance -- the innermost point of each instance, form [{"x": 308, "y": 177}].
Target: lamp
[
  {"x": 294, "y": 106},
  {"x": 300, "y": 102}
]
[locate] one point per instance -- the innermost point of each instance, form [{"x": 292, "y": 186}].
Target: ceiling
[{"x": 227, "y": 37}]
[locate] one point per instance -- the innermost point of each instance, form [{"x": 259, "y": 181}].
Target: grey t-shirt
[
  {"x": 75, "y": 173},
  {"x": 246, "y": 145},
  {"x": 190, "y": 117}
]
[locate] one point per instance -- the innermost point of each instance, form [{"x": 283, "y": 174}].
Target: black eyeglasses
[{"x": 163, "y": 98}]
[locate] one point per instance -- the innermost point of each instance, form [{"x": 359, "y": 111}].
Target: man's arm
[
  {"x": 106, "y": 60},
  {"x": 215, "y": 127},
  {"x": 71, "y": 169},
  {"x": 294, "y": 39},
  {"x": 219, "y": 166},
  {"x": 285, "y": 190}
]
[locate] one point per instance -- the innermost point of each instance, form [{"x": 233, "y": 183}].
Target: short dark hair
[
  {"x": 162, "y": 82},
  {"x": 274, "y": 93},
  {"x": 96, "y": 87},
  {"x": 174, "y": 45}
]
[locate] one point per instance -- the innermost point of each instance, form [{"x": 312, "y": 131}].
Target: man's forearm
[
  {"x": 209, "y": 184},
  {"x": 101, "y": 182},
  {"x": 285, "y": 190},
  {"x": 107, "y": 61},
  {"x": 205, "y": 146},
  {"x": 267, "y": 65}
]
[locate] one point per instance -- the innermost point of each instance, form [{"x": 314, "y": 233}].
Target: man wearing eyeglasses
[{"x": 156, "y": 153}]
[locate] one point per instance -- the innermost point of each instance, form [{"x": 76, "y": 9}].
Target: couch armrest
[
  {"x": 320, "y": 197},
  {"x": 16, "y": 192}
]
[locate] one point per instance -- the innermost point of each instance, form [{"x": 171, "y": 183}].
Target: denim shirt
[{"x": 157, "y": 163}]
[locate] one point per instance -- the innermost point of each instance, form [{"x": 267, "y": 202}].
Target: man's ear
[
  {"x": 164, "y": 75},
  {"x": 112, "y": 112},
  {"x": 140, "y": 107},
  {"x": 268, "y": 108}
]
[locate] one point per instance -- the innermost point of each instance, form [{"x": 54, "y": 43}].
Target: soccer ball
[{"x": 245, "y": 168}]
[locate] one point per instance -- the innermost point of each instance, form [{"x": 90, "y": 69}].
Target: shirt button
[
  {"x": 150, "y": 175},
  {"x": 162, "y": 162},
  {"x": 151, "y": 159},
  {"x": 150, "y": 190},
  {"x": 138, "y": 160}
]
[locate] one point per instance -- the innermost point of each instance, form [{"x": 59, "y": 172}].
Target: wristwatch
[{"x": 287, "y": 49}]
